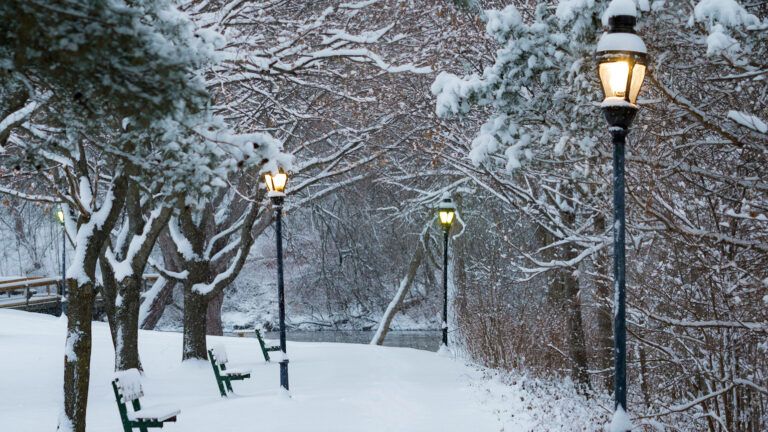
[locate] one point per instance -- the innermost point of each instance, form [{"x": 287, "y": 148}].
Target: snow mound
[
  {"x": 620, "y": 421},
  {"x": 220, "y": 352},
  {"x": 335, "y": 387},
  {"x": 129, "y": 382}
]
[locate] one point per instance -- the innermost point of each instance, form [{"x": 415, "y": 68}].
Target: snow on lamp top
[
  {"x": 618, "y": 8},
  {"x": 621, "y": 55}
]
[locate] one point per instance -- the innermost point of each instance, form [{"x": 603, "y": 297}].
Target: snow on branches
[{"x": 540, "y": 87}]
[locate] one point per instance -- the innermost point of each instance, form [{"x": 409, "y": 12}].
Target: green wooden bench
[
  {"x": 264, "y": 348},
  {"x": 224, "y": 377},
  {"x": 127, "y": 387}
]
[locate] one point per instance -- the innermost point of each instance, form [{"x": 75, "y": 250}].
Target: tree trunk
[
  {"x": 172, "y": 262},
  {"x": 77, "y": 356},
  {"x": 127, "y": 322},
  {"x": 603, "y": 301},
  {"x": 576, "y": 338},
  {"x": 109, "y": 294},
  {"x": 213, "y": 315},
  {"x": 157, "y": 306},
  {"x": 405, "y": 286},
  {"x": 195, "y": 310},
  {"x": 578, "y": 347}
]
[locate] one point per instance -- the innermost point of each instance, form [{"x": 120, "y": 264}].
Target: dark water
[{"x": 420, "y": 339}]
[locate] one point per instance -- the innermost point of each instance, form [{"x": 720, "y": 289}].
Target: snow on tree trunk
[
  {"x": 154, "y": 302},
  {"x": 77, "y": 356},
  {"x": 109, "y": 294},
  {"x": 91, "y": 235},
  {"x": 127, "y": 323},
  {"x": 195, "y": 309}
]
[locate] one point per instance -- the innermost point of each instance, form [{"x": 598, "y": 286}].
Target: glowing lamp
[
  {"x": 446, "y": 212},
  {"x": 621, "y": 64},
  {"x": 276, "y": 183}
]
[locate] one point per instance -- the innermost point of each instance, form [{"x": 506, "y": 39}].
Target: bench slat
[{"x": 157, "y": 413}]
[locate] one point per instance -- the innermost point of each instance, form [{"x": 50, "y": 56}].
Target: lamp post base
[{"x": 284, "y": 374}]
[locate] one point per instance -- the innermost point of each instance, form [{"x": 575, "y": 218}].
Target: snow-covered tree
[
  {"x": 691, "y": 165},
  {"x": 85, "y": 132}
]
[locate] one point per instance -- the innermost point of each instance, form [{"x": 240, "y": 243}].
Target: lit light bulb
[
  {"x": 615, "y": 76},
  {"x": 446, "y": 217}
]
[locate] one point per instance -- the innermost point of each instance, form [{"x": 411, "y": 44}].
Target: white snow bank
[
  {"x": 524, "y": 403},
  {"x": 620, "y": 421},
  {"x": 334, "y": 387}
]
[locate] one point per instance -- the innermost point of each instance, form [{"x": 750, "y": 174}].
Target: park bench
[
  {"x": 224, "y": 377},
  {"x": 265, "y": 350},
  {"x": 127, "y": 387}
]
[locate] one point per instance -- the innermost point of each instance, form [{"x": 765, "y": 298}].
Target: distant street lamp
[
  {"x": 621, "y": 62},
  {"x": 60, "y": 217},
  {"x": 276, "y": 187},
  {"x": 446, "y": 211}
]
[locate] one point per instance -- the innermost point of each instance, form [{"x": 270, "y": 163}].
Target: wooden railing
[
  {"x": 26, "y": 286},
  {"x": 31, "y": 296}
]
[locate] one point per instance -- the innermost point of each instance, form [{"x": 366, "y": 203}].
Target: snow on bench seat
[
  {"x": 236, "y": 371},
  {"x": 128, "y": 391},
  {"x": 224, "y": 377},
  {"x": 154, "y": 413}
]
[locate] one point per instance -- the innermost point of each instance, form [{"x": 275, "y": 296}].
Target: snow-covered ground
[{"x": 334, "y": 387}]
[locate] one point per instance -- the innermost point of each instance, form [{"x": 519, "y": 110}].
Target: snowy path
[{"x": 335, "y": 387}]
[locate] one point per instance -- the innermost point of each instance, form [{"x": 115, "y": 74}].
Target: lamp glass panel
[
  {"x": 279, "y": 180},
  {"x": 269, "y": 182},
  {"x": 613, "y": 76},
  {"x": 60, "y": 216},
  {"x": 446, "y": 216},
  {"x": 638, "y": 75}
]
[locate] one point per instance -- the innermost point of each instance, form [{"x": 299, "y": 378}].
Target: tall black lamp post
[
  {"x": 621, "y": 62},
  {"x": 276, "y": 187},
  {"x": 60, "y": 217},
  {"x": 445, "y": 213}
]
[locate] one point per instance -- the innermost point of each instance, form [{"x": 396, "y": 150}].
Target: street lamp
[
  {"x": 60, "y": 218},
  {"x": 621, "y": 63},
  {"x": 445, "y": 213},
  {"x": 276, "y": 187}
]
